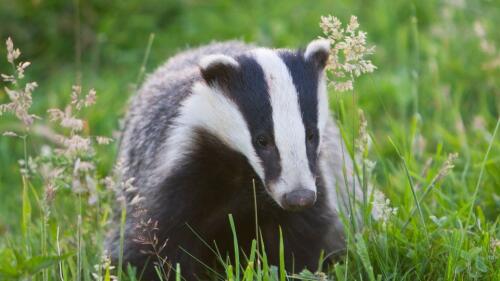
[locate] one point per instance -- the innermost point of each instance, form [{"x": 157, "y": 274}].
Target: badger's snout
[{"x": 298, "y": 199}]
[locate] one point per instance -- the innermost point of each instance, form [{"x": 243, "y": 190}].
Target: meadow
[{"x": 427, "y": 118}]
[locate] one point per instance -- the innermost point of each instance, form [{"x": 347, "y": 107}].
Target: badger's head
[{"x": 271, "y": 106}]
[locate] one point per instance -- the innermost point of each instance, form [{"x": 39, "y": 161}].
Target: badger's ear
[
  {"x": 318, "y": 52},
  {"x": 218, "y": 69}
]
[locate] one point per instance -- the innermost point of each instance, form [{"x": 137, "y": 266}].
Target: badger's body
[{"x": 208, "y": 126}]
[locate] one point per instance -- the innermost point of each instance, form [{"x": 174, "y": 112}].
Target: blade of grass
[
  {"x": 249, "y": 271},
  {"x": 159, "y": 273},
  {"x": 412, "y": 188},
  {"x": 265, "y": 264},
  {"x": 282, "y": 258},
  {"x": 236, "y": 248},
  {"x": 364, "y": 255},
  {"x": 177, "y": 272},
  {"x": 229, "y": 273},
  {"x": 202, "y": 263},
  {"x": 142, "y": 70},
  {"x": 59, "y": 253},
  {"x": 427, "y": 190},
  {"x": 123, "y": 219},
  {"x": 26, "y": 215},
  {"x": 215, "y": 251},
  {"x": 255, "y": 214},
  {"x": 321, "y": 260},
  {"x": 481, "y": 172}
]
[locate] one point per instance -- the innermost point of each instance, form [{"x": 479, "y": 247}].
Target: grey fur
[{"x": 156, "y": 104}]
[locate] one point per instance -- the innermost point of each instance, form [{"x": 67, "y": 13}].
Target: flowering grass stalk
[
  {"x": 68, "y": 167},
  {"x": 348, "y": 54}
]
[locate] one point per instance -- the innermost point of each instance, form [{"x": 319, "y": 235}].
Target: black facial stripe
[
  {"x": 248, "y": 88},
  {"x": 305, "y": 78}
]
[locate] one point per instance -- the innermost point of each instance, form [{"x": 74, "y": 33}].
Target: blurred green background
[{"x": 436, "y": 77}]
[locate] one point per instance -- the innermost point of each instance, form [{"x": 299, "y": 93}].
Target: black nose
[{"x": 299, "y": 199}]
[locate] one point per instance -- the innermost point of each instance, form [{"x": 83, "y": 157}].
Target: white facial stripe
[
  {"x": 289, "y": 131},
  {"x": 209, "y": 109}
]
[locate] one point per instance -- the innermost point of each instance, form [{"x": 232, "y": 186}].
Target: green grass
[{"x": 433, "y": 94}]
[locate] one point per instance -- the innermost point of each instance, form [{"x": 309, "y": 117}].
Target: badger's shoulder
[{"x": 157, "y": 102}]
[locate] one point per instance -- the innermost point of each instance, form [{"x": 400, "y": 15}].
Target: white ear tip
[
  {"x": 317, "y": 45},
  {"x": 211, "y": 60}
]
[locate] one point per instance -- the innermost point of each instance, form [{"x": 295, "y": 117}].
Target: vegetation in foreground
[{"x": 432, "y": 116}]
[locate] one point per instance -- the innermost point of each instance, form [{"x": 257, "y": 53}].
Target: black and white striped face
[{"x": 271, "y": 106}]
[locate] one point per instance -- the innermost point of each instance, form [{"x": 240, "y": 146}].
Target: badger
[{"x": 232, "y": 128}]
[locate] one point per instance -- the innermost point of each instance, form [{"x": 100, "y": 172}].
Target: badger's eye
[
  {"x": 311, "y": 135},
  {"x": 263, "y": 141}
]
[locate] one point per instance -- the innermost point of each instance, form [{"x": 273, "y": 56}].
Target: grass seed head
[{"x": 348, "y": 52}]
